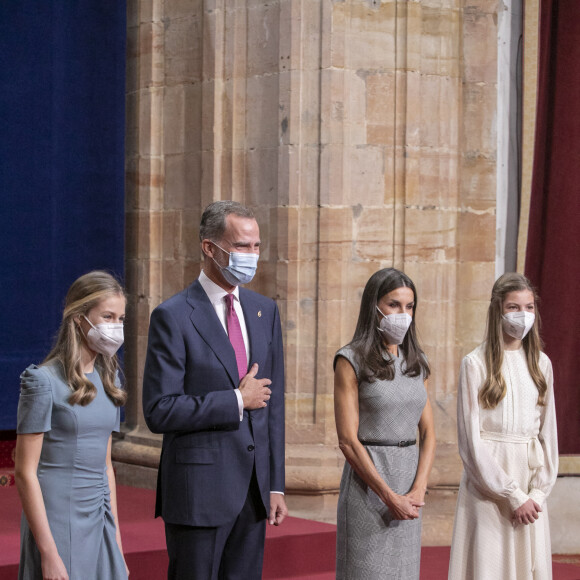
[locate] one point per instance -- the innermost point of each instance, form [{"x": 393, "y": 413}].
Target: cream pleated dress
[{"x": 509, "y": 454}]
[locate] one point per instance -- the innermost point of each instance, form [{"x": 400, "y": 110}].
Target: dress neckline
[
  {"x": 387, "y": 354},
  {"x": 512, "y": 351}
]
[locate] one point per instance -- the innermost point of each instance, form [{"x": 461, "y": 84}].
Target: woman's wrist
[
  {"x": 49, "y": 551},
  {"x": 420, "y": 486},
  {"x": 388, "y": 495}
]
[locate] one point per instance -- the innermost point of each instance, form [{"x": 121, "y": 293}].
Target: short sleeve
[
  {"x": 35, "y": 403},
  {"x": 119, "y": 385},
  {"x": 117, "y": 427},
  {"x": 348, "y": 354}
]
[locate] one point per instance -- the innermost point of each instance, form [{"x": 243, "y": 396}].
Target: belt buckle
[{"x": 402, "y": 444}]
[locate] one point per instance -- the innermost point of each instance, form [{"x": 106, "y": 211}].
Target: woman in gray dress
[
  {"x": 380, "y": 402},
  {"x": 68, "y": 408}
]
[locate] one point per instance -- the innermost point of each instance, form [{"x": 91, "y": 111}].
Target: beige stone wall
[{"x": 362, "y": 134}]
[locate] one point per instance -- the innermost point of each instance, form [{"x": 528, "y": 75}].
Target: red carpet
[{"x": 298, "y": 550}]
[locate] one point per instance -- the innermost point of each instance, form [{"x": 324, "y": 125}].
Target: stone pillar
[{"x": 361, "y": 133}]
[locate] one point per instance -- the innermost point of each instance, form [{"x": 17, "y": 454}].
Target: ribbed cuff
[
  {"x": 517, "y": 499},
  {"x": 538, "y": 496}
]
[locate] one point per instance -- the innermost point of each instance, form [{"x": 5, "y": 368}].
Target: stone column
[{"x": 361, "y": 133}]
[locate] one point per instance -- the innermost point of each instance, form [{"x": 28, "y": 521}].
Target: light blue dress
[{"x": 72, "y": 475}]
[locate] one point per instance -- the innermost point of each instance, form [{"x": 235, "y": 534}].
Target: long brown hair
[
  {"x": 494, "y": 388},
  {"x": 367, "y": 342},
  {"x": 86, "y": 293}
]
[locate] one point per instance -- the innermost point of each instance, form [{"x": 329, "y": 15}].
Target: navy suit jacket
[{"x": 188, "y": 395}]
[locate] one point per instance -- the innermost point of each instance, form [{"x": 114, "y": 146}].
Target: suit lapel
[
  {"x": 254, "y": 325},
  {"x": 209, "y": 327}
]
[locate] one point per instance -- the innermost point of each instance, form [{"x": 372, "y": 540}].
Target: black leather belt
[{"x": 398, "y": 444}]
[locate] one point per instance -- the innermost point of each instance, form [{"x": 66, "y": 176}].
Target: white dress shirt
[{"x": 216, "y": 295}]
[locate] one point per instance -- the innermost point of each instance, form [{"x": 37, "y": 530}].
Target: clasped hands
[
  {"x": 255, "y": 392},
  {"x": 405, "y": 507},
  {"x": 527, "y": 513}
]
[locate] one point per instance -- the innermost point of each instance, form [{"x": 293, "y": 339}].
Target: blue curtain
[{"x": 62, "y": 113}]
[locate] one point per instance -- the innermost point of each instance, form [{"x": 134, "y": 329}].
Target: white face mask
[
  {"x": 105, "y": 339},
  {"x": 241, "y": 267},
  {"x": 394, "y": 326},
  {"x": 518, "y": 324}
]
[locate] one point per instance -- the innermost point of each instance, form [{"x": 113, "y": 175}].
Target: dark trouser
[{"x": 234, "y": 551}]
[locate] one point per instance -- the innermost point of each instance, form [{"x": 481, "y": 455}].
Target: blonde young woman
[
  {"x": 506, "y": 424},
  {"x": 68, "y": 408},
  {"x": 382, "y": 409}
]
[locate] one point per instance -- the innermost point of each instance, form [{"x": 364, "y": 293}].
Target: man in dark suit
[{"x": 221, "y": 472}]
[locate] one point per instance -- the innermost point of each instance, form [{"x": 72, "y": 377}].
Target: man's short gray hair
[{"x": 213, "y": 219}]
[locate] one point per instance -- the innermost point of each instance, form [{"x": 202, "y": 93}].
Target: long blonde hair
[
  {"x": 494, "y": 388},
  {"x": 86, "y": 293}
]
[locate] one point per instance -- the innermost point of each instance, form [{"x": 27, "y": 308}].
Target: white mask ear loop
[{"x": 218, "y": 246}]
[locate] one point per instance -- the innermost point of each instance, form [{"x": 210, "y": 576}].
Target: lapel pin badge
[{"x": 259, "y": 314}]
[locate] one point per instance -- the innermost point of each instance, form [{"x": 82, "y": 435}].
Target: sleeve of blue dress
[
  {"x": 35, "y": 403},
  {"x": 117, "y": 427}
]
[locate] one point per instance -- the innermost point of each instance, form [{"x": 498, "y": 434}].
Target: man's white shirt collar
[{"x": 214, "y": 292}]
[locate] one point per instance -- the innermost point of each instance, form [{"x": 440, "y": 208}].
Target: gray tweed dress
[{"x": 370, "y": 543}]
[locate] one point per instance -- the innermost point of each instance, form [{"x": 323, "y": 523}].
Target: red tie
[{"x": 235, "y": 334}]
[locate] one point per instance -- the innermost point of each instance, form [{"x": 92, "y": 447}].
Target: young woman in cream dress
[{"x": 506, "y": 424}]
